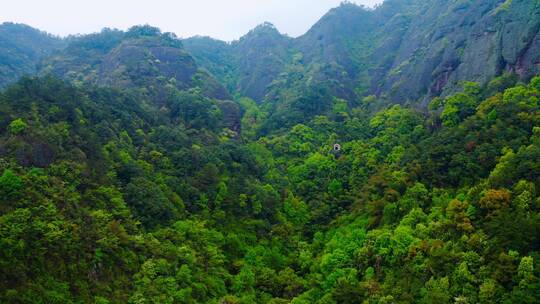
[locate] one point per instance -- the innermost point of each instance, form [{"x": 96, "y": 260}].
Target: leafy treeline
[{"x": 107, "y": 197}]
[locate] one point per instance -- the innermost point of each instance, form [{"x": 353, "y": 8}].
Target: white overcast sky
[{"x": 223, "y": 19}]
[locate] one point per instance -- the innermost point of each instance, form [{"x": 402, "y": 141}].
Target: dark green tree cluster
[{"x": 109, "y": 197}]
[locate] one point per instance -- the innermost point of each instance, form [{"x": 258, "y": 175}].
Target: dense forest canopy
[{"x": 137, "y": 167}]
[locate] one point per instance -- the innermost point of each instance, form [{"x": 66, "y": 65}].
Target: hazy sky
[{"x": 223, "y": 19}]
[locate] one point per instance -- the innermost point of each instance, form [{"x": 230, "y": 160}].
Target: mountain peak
[
  {"x": 263, "y": 29},
  {"x": 266, "y": 26}
]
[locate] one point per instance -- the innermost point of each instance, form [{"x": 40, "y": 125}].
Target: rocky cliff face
[
  {"x": 135, "y": 61},
  {"x": 142, "y": 57},
  {"x": 404, "y": 50},
  {"x": 463, "y": 40},
  {"x": 231, "y": 116}
]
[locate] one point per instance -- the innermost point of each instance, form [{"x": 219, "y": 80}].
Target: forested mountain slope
[
  {"x": 142, "y": 56},
  {"x": 21, "y": 49},
  {"x": 248, "y": 65},
  {"x": 107, "y": 199},
  {"x": 140, "y": 168}
]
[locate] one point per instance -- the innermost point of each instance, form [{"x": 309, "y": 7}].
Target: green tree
[
  {"x": 10, "y": 185},
  {"x": 17, "y": 126}
]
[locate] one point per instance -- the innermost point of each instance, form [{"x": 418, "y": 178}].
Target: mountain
[
  {"x": 215, "y": 56},
  {"x": 388, "y": 155},
  {"x": 140, "y": 57},
  {"x": 106, "y": 198},
  {"x": 21, "y": 49},
  {"x": 248, "y": 65},
  {"x": 448, "y": 42},
  {"x": 403, "y": 50}
]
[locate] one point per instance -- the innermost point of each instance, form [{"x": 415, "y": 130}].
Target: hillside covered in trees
[{"x": 137, "y": 167}]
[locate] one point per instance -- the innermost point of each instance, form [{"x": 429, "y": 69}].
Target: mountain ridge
[
  {"x": 380, "y": 51},
  {"x": 443, "y": 70}
]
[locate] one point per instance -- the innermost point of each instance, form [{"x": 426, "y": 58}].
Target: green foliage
[
  {"x": 17, "y": 126},
  {"x": 459, "y": 106},
  {"x": 143, "y": 30},
  {"x": 296, "y": 211},
  {"x": 141, "y": 188},
  {"x": 535, "y": 83},
  {"x": 10, "y": 185}
]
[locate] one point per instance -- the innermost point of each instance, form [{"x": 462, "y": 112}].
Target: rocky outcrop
[
  {"x": 142, "y": 57},
  {"x": 136, "y": 61},
  {"x": 231, "y": 116},
  {"x": 405, "y": 50},
  {"x": 449, "y": 43}
]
